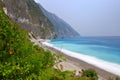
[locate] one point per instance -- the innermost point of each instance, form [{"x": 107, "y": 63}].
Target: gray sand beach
[{"x": 74, "y": 64}]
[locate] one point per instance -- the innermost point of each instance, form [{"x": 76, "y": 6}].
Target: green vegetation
[
  {"x": 117, "y": 78},
  {"x": 90, "y": 74},
  {"x": 21, "y": 60}
]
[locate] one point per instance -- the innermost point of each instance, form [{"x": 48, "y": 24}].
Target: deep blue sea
[{"x": 104, "y": 48}]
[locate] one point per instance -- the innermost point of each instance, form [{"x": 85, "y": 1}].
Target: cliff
[
  {"x": 30, "y": 16},
  {"x": 62, "y": 29}
]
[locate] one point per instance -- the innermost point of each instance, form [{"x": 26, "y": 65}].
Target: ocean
[{"x": 99, "y": 51}]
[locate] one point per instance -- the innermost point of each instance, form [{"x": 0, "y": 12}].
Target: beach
[{"x": 73, "y": 63}]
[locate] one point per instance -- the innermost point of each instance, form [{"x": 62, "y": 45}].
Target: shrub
[
  {"x": 91, "y": 74},
  {"x": 117, "y": 78}
]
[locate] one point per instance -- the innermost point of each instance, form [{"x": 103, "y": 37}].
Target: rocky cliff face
[
  {"x": 30, "y": 16},
  {"x": 62, "y": 29}
]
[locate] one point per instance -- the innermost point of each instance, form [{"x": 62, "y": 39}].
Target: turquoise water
[{"x": 104, "y": 48}]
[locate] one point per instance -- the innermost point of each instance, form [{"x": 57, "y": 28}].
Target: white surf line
[{"x": 107, "y": 66}]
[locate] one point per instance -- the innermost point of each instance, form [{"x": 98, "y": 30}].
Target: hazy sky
[{"x": 88, "y": 17}]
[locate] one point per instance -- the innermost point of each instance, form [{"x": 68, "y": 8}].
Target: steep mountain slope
[
  {"x": 36, "y": 20},
  {"x": 29, "y": 16},
  {"x": 62, "y": 28}
]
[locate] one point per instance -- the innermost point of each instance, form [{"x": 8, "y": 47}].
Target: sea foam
[{"x": 107, "y": 66}]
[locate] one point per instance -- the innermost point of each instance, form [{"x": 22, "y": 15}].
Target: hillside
[
  {"x": 29, "y": 16},
  {"x": 21, "y": 60},
  {"x": 62, "y": 29}
]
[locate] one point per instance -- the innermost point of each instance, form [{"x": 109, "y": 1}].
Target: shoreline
[
  {"x": 103, "y": 74},
  {"x": 82, "y": 64}
]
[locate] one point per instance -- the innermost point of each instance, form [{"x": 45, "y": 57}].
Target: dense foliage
[{"x": 20, "y": 59}]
